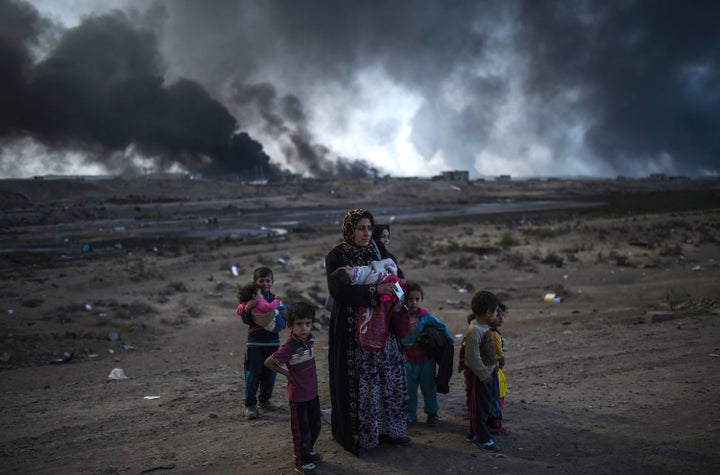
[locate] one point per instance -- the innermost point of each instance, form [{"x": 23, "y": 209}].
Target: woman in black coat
[{"x": 367, "y": 388}]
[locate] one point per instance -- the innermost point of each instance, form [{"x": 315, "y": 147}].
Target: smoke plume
[
  {"x": 348, "y": 88},
  {"x": 101, "y": 89}
]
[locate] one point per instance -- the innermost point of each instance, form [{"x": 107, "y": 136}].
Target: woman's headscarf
[{"x": 359, "y": 256}]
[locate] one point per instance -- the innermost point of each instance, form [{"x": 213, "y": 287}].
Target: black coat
[
  {"x": 342, "y": 346},
  {"x": 440, "y": 348}
]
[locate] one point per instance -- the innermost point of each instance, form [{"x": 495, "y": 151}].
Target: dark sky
[{"x": 348, "y": 88}]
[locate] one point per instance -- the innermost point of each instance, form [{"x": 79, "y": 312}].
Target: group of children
[
  {"x": 266, "y": 316},
  {"x": 481, "y": 361},
  {"x": 481, "y": 358}
]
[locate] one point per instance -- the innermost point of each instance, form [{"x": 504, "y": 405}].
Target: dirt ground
[{"x": 620, "y": 376}]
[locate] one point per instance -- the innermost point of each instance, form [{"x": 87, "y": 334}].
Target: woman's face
[
  {"x": 385, "y": 237},
  {"x": 363, "y": 233}
]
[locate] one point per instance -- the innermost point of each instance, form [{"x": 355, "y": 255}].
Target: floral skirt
[{"x": 382, "y": 393}]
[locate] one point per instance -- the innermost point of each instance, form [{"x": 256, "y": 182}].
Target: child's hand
[{"x": 251, "y": 305}]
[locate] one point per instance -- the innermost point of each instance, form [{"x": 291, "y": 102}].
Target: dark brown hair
[
  {"x": 483, "y": 301},
  {"x": 300, "y": 310},
  {"x": 261, "y": 272}
]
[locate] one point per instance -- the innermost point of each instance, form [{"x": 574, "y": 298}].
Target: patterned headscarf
[{"x": 359, "y": 256}]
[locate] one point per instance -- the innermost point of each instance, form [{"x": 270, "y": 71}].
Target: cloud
[
  {"x": 646, "y": 75},
  {"x": 343, "y": 87}
]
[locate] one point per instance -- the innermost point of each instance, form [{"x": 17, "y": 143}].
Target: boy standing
[
  {"x": 419, "y": 368},
  {"x": 480, "y": 360},
  {"x": 261, "y": 343},
  {"x": 302, "y": 388}
]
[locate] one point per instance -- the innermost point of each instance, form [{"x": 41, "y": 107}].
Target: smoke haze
[{"x": 349, "y": 89}]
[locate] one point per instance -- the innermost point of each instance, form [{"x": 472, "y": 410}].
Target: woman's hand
[{"x": 386, "y": 288}]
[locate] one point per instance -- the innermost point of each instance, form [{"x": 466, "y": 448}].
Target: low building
[{"x": 453, "y": 175}]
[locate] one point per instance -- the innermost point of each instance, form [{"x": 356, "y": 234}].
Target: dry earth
[{"x": 597, "y": 383}]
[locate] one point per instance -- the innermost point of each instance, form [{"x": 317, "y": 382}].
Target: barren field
[{"x": 620, "y": 376}]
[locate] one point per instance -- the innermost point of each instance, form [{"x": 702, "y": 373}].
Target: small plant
[
  {"x": 671, "y": 250},
  {"x": 507, "y": 240},
  {"x": 553, "y": 259}
]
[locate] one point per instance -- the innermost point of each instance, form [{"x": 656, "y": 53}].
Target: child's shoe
[
  {"x": 268, "y": 406},
  {"x": 314, "y": 457},
  {"x": 489, "y": 446},
  {"x": 469, "y": 436},
  {"x": 251, "y": 413},
  {"x": 432, "y": 420},
  {"x": 307, "y": 468}
]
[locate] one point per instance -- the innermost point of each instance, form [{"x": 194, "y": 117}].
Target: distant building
[
  {"x": 453, "y": 175},
  {"x": 168, "y": 176},
  {"x": 75, "y": 177},
  {"x": 291, "y": 178},
  {"x": 503, "y": 178}
]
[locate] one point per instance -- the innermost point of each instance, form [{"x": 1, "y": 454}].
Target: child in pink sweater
[{"x": 263, "y": 311}]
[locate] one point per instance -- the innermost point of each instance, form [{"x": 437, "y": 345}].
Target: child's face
[
  {"x": 487, "y": 317},
  {"x": 414, "y": 299},
  {"x": 301, "y": 328},
  {"x": 350, "y": 272},
  {"x": 500, "y": 317},
  {"x": 265, "y": 284},
  {"x": 495, "y": 319},
  {"x": 385, "y": 237}
]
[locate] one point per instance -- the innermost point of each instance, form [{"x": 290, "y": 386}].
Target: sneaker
[
  {"x": 432, "y": 420},
  {"x": 307, "y": 468},
  {"x": 489, "y": 446},
  {"x": 268, "y": 406},
  {"x": 469, "y": 436},
  {"x": 251, "y": 413},
  {"x": 314, "y": 457}
]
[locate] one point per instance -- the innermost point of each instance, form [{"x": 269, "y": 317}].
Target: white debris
[{"x": 117, "y": 374}]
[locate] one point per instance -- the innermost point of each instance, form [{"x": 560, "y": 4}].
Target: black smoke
[
  {"x": 419, "y": 44},
  {"x": 626, "y": 86},
  {"x": 647, "y": 73},
  {"x": 285, "y": 120},
  {"x": 101, "y": 89}
]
